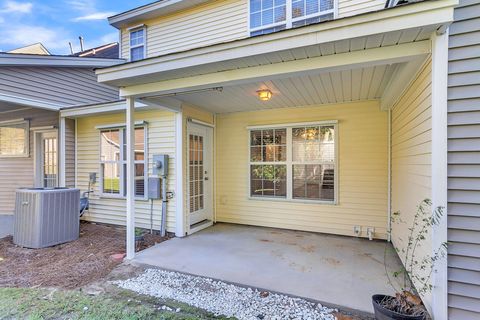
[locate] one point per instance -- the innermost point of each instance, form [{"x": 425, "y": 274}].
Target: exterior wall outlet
[{"x": 357, "y": 230}]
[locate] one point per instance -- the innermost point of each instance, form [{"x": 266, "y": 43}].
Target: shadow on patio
[{"x": 335, "y": 270}]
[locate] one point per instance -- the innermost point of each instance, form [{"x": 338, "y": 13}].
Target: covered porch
[
  {"x": 334, "y": 270},
  {"x": 378, "y": 92}
]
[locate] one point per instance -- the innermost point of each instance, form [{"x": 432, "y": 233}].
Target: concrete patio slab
[
  {"x": 336, "y": 270},
  {"x": 6, "y": 225}
]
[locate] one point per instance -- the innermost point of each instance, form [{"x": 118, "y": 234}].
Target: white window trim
[
  {"x": 122, "y": 194},
  {"x": 288, "y": 22},
  {"x": 144, "y": 44},
  {"x": 26, "y": 151},
  {"x": 289, "y": 162}
]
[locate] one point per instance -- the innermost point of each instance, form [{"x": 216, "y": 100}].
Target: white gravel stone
[{"x": 225, "y": 299}]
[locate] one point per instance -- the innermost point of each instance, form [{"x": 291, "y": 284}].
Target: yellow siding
[
  {"x": 362, "y": 171},
  {"x": 411, "y": 157},
  {"x": 214, "y": 22},
  {"x": 161, "y": 139},
  {"x": 200, "y": 26},
  {"x": 348, "y": 8}
]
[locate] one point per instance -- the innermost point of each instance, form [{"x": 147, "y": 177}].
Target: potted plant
[{"x": 407, "y": 304}]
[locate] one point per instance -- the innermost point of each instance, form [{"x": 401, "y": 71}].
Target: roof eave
[
  {"x": 151, "y": 10},
  {"x": 9, "y": 59}
]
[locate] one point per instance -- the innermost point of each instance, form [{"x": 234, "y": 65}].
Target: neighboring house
[
  {"x": 109, "y": 50},
  {"x": 37, "y": 147},
  {"x": 36, "y": 48}
]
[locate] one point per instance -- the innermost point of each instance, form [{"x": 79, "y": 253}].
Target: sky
[{"x": 57, "y": 22}]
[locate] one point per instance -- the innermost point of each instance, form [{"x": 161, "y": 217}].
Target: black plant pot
[
  {"x": 382, "y": 313},
  {"x": 140, "y": 238}
]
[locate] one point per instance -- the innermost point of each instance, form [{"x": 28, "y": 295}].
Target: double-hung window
[
  {"x": 295, "y": 162},
  {"x": 14, "y": 139},
  {"x": 137, "y": 44},
  {"x": 113, "y": 162},
  {"x": 267, "y": 16}
]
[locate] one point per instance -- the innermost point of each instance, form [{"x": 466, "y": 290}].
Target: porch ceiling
[{"x": 323, "y": 88}]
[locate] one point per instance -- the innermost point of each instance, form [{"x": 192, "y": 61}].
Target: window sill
[
  {"x": 113, "y": 197},
  {"x": 15, "y": 156},
  {"x": 305, "y": 201}
]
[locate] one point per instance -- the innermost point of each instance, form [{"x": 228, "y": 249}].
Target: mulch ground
[{"x": 70, "y": 265}]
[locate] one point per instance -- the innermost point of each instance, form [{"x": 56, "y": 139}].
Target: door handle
[{"x": 206, "y": 178}]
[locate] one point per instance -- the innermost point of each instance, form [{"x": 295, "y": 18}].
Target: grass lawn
[{"x": 22, "y": 303}]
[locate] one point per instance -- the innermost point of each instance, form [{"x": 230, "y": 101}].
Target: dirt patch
[{"x": 69, "y": 265}]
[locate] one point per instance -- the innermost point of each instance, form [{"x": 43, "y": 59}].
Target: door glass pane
[
  {"x": 49, "y": 165},
  {"x": 196, "y": 171}
]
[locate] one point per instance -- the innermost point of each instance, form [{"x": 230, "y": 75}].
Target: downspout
[
  {"x": 76, "y": 153},
  {"x": 389, "y": 166},
  {"x": 214, "y": 161}
]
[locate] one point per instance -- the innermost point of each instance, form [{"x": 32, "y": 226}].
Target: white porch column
[
  {"x": 130, "y": 178},
  {"x": 439, "y": 167},
  {"x": 179, "y": 200},
  {"x": 61, "y": 154}
]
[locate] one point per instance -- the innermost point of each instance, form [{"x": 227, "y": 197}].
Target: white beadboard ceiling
[
  {"x": 358, "y": 84},
  {"x": 325, "y": 88}
]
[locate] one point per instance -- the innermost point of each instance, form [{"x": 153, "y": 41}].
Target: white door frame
[
  {"x": 208, "y": 187},
  {"x": 37, "y": 157}
]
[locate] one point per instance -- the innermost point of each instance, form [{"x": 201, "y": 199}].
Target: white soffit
[{"x": 324, "y": 88}]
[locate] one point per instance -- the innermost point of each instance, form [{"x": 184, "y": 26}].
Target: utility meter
[{"x": 160, "y": 165}]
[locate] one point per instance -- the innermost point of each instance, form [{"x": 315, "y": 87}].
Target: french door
[
  {"x": 46, "y": 159},
  {"x": 200, "y": 175}
]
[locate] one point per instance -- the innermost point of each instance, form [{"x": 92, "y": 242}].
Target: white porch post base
[
  {"x": 439, "y": 168},
  {"x": 130, "y": 178}
]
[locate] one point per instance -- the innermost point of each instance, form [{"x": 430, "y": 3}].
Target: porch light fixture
[{"x": 264, "y": 94}]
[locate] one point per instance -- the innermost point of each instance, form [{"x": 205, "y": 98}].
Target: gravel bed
[{"x": 225, "y": 299}]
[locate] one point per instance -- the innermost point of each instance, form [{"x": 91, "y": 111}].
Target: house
[
  {"x": 322, "y": 116},
  {"x": 109, "y": 50},
  {"x": 36, "y": 48},
  {"x": 36, "y": 146}
]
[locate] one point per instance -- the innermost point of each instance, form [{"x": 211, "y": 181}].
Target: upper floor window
[
  {"x": 137, "y": 44},
  {"x": 268, "y": 16}
]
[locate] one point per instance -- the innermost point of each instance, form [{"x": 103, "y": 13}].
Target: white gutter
[
  {"x": 389, "y": 168},
  {"x": 151, "y": 10},
  {"x": 30, "y": 102},
  {"x": 12, "y": 59},
  {"x": 109, "y": 107}
]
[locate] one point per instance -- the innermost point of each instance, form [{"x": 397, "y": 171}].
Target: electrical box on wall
[
  {"x": 154, "y": 188},
  {"x": 160, "y": 165}
]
